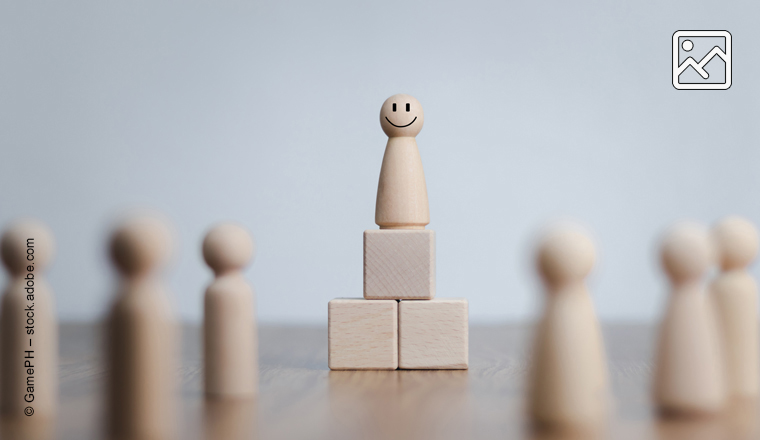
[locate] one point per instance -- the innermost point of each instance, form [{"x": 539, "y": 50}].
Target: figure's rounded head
[
  {"x": 27, "y": 243},
  {"x": 227, "y": 247},
  {"x": 686, "y": 252},
  {"x": 736, "y": 242},
  {"x": 141, "y": 245},
  {"x": 401, "y": 116},
  {"x": 565, "y": 254}
]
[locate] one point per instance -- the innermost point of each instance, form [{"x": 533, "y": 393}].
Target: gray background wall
[{"x": 267, "y": 113}]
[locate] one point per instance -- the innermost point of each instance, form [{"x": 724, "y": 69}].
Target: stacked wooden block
[{"x": 399, "y": 323}]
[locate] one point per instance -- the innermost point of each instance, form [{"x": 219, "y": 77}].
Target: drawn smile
[{"x": 401, "y": 126}]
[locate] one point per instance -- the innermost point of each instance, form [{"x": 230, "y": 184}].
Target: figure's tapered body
[
  {"x": 734, "y": 295},
  {"x": 688, "y": 376},
  {"x": 28, "y": 327},
  {"x": 402, "y": 200},
  {"x": 230, "y": 355},
  {"x": 142, "y": 362},
  {"x": 39, "y": 349},
  {"x": 569, "y": 380}
]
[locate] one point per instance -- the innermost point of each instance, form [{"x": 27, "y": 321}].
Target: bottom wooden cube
[
  {"x": 362, "y": 334},
  {"x": 433, "y": 334}
]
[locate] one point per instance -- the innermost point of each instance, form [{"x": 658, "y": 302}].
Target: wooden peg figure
[
  {"x": 28, "y": 325},
  {"x": 402, "y": 201},
  {"x": 143, "y": 350},
  {"x": 230, "y": 341},
  {"x": 688, "y": 376},
  {"x": 734, "y": 294},
  {"x": 568, "y": 383}
]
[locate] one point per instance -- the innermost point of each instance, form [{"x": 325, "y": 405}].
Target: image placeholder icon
[{"x": 702, "y": 60}]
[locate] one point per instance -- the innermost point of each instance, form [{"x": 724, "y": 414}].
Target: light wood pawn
[
  {"x": 402, "y": 201},
  {"x": 28, "y": 326},
  {"x": 230, "y": 342},
  {"x": 142, "y": 336},
  {"x": 688, "y": 376},
  {"x": 568, "y": 384},
  {"x": 734, "y": 294}
]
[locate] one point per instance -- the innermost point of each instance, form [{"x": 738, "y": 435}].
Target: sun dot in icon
[{"x": 687, "y": 45}]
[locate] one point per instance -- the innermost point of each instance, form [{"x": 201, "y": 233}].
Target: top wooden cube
[{"x": 399, "y": 264}]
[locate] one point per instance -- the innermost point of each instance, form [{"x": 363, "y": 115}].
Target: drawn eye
[
  {"x": 407, "y": 106},
  {"x": 394, "y": 106}
]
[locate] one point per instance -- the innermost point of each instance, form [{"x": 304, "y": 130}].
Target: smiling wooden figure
[{"x": 402, "y": 201}]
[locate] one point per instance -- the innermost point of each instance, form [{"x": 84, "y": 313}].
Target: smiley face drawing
[{"x": 401, "y": 116}]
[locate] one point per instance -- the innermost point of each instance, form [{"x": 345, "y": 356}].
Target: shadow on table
[{"x": 738, "y": 422}]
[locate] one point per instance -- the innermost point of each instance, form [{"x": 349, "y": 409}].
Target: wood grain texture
[
  {"x": 433, "y": 334},
  {"x": 300, "y": 398},
  {"x": 399, "y": 264},
  {"x": 363, "y": 334}
]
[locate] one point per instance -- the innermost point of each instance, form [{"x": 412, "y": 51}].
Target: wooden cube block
[
  {"x": 399, "y": 264},
  {"x": 433, "y": 334},
  {"x": 362, "y": 334}
]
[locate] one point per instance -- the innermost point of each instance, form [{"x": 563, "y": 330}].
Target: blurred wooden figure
[
  {"x": 230, "y": 341},
  {"x": 402, "y": 201},
  {"x": 568, "y": 386},
  {"x": 688, "y": 376},
  {"x": 143, "y": 350},
  {"x": 28, "y": 326},
  {"x": 734, "y": 294}
]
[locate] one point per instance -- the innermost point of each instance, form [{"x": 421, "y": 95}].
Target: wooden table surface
[{"x": 300, "y": 398}]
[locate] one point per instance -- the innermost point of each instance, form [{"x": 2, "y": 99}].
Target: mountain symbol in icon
[{"x": 700, "y": 66}]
